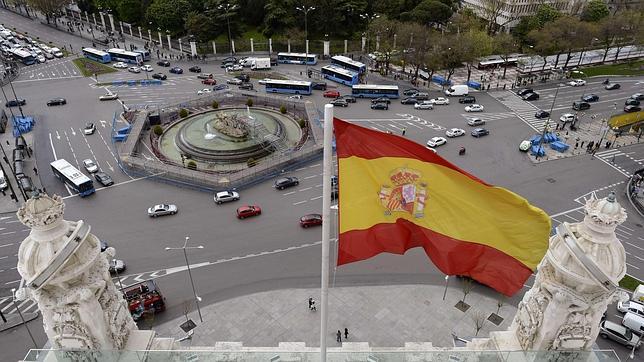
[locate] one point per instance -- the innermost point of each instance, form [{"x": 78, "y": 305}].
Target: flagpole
[{"x": 326, "y": 225}]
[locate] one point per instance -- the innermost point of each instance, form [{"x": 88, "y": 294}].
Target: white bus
[
  {"x": 349, "y": 64},
  {"x": 23, "y": 56},
  {"x": 340, "y": 75},
  {"x": 288, "y": 86},
  {"x": 97, "y": 55},
  {"x": 120, "y": 55},
  {"x": 374, "y": 91},
  {"x": 297, "y": 58},
  {"x": 73, "y": 178}
]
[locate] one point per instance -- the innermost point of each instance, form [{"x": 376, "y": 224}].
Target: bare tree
[
  {"x": 478, "y": 317},
  {"x": 51, "y": 8},
  {"x": 385, "y": 29},
  {"x": 500, "y": 302},
  {"x": 491, "y": 10},
  {"x": 505, "y": 45},
  {"x": 467, "y": 284}
]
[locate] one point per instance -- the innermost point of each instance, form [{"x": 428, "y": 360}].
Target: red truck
[{"x": 144, "y": 297}]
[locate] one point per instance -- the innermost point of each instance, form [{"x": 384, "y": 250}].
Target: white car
[
  {"x": 454, "y": 132},
  {"x": 147, "y": 68},
  {"x": 577, "y": 82},
  {"x": 226, "y": 196},
  {"x": 567, "y": 118},
  {"x": 108, "y": 97},
  {"x": 41, "y": 58},
  {"x": 234, "y": 81},
  {"x": 205, "y": 90},
  {"x": 436, "y": 141},
  {"x": 90, "y": 166},
  {"x": 474, "y": 108},
  {"x": 424, "y": 105},
  {"x": 297, "y": 96},
  {"x": 162, "y": 209},
  {"x": 134, "y": 70},
  {"x": 120, "y": 65},
  {"x": 234, "y": 68},
  {"x": 440, "y": 101},
  {"x": 631, "y": 307},
  {"x": 57, "y": 53}
]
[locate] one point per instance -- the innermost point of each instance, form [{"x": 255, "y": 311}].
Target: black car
[
  {"x": 542, "y": 114},
  {"x": 243, "y": 77},
  {"x": 590, "y": 98},
  {"x": 16, "y": 103},
  {"x": 381, "y": 100},
  {"x": 530, "y": 96},
  {"x": 103, "y": 178},
  {"x": 349, "y": 99},
  {"x": 160, "y": 76},
  {"x": 410, "y": 92},
  {"x": 176, "y": 70},
  {"x": 340, "y": 102},
  {"x": 523, "y": 91},
  {"x": 227, "y": 64},
  {"x": 163, "y": 63},
  {"x": 229, "y": 59},
  {"x": 630, "y": 109},
  {"x": 580, "y": 106},
  {"x": 409, "y": 100},
  {"x": 467, "y": 100},
  {"x": 246, "y": 86},
  {"x": 381, "y": 106},
  {"x": 319, "y": 85},
  {"x": 480, "y": 132},
  {"x": 195, "y": 69},
  {"x": 285, "y": 182},
  {"x": 56, "y": 102},
  {"x": 612, "y": 86},
  {"x": 632, "y": 102}
]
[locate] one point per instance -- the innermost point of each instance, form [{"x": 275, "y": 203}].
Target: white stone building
[{"x": 508, "y": 12}]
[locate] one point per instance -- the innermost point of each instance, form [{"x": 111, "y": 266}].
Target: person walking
[
  {"x": 35, "y": 170},
  {"x": 338, "y": 337},
  {"x": 404, "y": 130},
  {"x": 346, "y": 333}
]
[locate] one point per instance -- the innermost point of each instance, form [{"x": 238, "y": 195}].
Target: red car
[
  {"x": 209, "y": 81},
  {"x": 331, "y": 94},
  {"x": 310, "y": 220},
  {"x": 247, "y": 211}
]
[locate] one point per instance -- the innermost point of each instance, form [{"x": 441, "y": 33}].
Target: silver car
[
  {"x": 226, "y": 196},
  {"x": 162, "y": 209},
  {"x": 618, "y": 334},
  {"x": 90, "y": 165}
]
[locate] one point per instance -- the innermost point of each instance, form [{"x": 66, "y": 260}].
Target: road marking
[
  {"x": 306, "y": 189},
  {"x": 315, "y": 198},
  {"x": 567, "y": 211},
  {"x": 4, "y": 257},
  {"x": 2, "y": 246},
  {"x": 299, "y": 202},
  {"x": 7, "y": 233},
  {"x": 309, "y": 177},
  {"x": 289, "y": 193},
  {"x": 632, "y": 266},
  {"x": 633, "y": 245},
  {"x": 634, "y": 256},
  {"x": 12, "y": 282},
  {"x": 11, "y": 222}
]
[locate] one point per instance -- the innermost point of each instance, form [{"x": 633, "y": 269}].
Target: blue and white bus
[
  {"x": 97, "y": 55},
  {"x": 144, "y": 53},
  {"x": 73, "y": 178},
  {"x": 297, "y": 58},
  {"x": 348, "y": 64},
  {"x": 120, "y": 55},
  {"x": 288, "y": 86},
  {"x": 374, "y": 91},
  {"x": 340, "y": 75},
  {"x": 23, "y": 56}
]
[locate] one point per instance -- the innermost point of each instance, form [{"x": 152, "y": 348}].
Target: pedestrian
[
  {"x": 404, "y": 130},
  {"x": 310, "y": 302},
  {"x": 346, "y": 333},
  {"x": 615, "y": 105},
  {"x": 607, "y": 144},
  {"x": 338, "y": 337},
  {"x": 8, "y": 144},
  {"x": 582, "y": 144},
  {"x": 35, "y": 171},
  {"x": 576, "y": 144}
]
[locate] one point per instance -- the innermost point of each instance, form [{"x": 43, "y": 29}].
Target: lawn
[
  {"x": 631, "y": 68},
  {"x": 90, "y": 67},
  {"x": 629, "y": 283}
]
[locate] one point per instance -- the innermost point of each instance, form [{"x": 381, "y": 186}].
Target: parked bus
[
  {"x": 348, "y": 64},
  {"x": 23, "y": 56},
  {"x": 119, "y": 55},
  {"x": 374, "y": 91},
  {"x": 97, "y": 55},
  {"x": 340, "y": 75},
  {"x": 297, "y": 58},
  {"x": 288, "y": 86},
  {"x": 73, "y": 178},
  {"x": 496, "y": 61},
  {"x": 144, "y": 53}
]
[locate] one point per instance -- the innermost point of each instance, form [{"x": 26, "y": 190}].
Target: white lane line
[
  {"x": 315, "y": 198},
  {"x": 567, "y": 211},
  {"x": 300, "y": 169},
  {"x": 4, "y": 257},
  {"x": 634, "y": 256},
  {"x": 2, "y": 246},
  {"x": 625, "y": 232},
  {"x": 633, "y": 245},
  {"x": 306, "y": 189},
  {"x": 299, "y": 202},
  {"x": 309, "y": 177},
  {"x": 12, "y": 282},
  {"x": 115, "y": 185},
  {"x": 632, "y": 266},
  {"x": 289, "y": 193},
  {"x": 11, "y": 222},
  {"x": 314, "y": 165}
]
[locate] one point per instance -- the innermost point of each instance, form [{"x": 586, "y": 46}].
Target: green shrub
[
  {"x": 283, "y": 109},
  {"x": 249, "y": 102},
  {"x": 192, "y": 165},
  {"x": 301, "y": 122},
  {"x": 215, "y": 104},
  {"x": 183, "y": 113},
  {"x": 158, "y": 130},
  {"x": 251, "y": 162}
]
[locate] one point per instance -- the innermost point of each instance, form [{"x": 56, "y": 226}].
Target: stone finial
[
  {"x": 41, "y": 210},
  {"x": 606, "y": 211}
]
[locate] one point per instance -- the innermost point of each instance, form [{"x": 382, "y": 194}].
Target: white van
[
  {"x": 457, "y": 90},
  {"x": 3, "y": 182},
  {"x": 634, "y": 322},
  {"x": 638, "y": 294}
]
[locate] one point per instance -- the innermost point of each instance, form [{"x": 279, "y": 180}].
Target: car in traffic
[
  {"x": 421, "y": 96},
  {"x": 163, "y": 63},
  {"x": 159, "y": 76},
  {"x": 424, "y": 105},
  {"x": 381, "y": 100},
  {"x": 15, "y": 102},
  {"x": 630, "y": 306},
  {"x": 117, "y": 266},
  {"x": 454, "y": 132},
  {"x": 590, "y": 97},
  {"x": 474, "y": 108},
  {"x": 524, "y": 146},
  {"x": 530, "y": 96},
  {"x": 108, "y": 97},
  {"x": 619, "y": 334},
  {"x": 331, "y": 94},
  {"x": 523, "y": 91},
  {"x": 226, "y": 196},
  {"x": 612, "y": 86},
  {"x": 285, "y": 182},
  {"x": 567, "y": 118},
  {"x": 467, "y": 100},
  {"x": 380, "y": 106},
  {"x": 631, "y": 109},
  {"x": 195, "y": 69},
  {"x": 580, "y": 105},
  {"x": 637, "y": 96},
  {"x": 577, "y": 82},
  {"x": 234, "y": 68},
  {"x": 90, "y": 165},
  {"x": 103, "y": 178},
  {"x": 134, "y": 70},
  {"x": 205, "y": 76},
  {"x": 243, "y": 77},
  {"x": 340, "y": 102},
  {"x": 120, "y": 65},
  {"x": 541, "y": 114},
  {"x": 475, "y": 122},
  {"x": 440, "y": 101},
  {"x": 295, "y": 96},
  {"x": 436, "y": 141},
  {"x": 219, "y": 87},
  {"x": 56, "y": 102},
  {"x": 480, "y": 132},
  {"x": 310, "y": 220},
  {"x": 89, "y": 129},
  {"x": 349, "y": 99},
  {"x": 410, "y": 92},
  {"x": 248, "y": 211},
  {"x": 409, "y": 100},
  {"x": 176, "y": 70},
  {"x": 318, "y": 85},
  {"x": 203, "y": 91},
  {"x": 234, "y": 81},
  {"x": 246, "y": 86},
  {"x": 632, "y": 102},
  {"x": 147, "y": 68},
  {"x": 162, "y": 210}
]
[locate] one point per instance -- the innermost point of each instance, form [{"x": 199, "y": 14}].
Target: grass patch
[
  {"x": 630, "y": 68},
  {"x": 629, "y": 283},
  {"x": 90, "y": 67}
]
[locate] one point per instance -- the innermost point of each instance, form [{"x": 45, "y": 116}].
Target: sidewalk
[{"x": 383, "y": 316}]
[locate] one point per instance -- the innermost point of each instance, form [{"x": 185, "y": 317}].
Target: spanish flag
[{"x": 396, "y": 195}]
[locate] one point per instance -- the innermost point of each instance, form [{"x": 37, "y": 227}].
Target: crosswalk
[
  {"x": 7, "y": 306},
  {"x": 488, "y": 117},
  {"x": 608, "y": 157},
  {"x": 403, "y": 121},
  {"x": 522, "y": 109}
]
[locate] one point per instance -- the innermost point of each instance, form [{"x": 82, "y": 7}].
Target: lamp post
[
  {"x": 369, "y": 18},
  {"x": 446, "y": 284},
  {"x": 305, "y": 9},
  {"x": 227, "y": 8},
  {"x": 545, "y": 127},
  {"x": 185, "y": 255}
]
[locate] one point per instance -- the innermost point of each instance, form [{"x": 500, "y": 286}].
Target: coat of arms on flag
[{"x": 407, "y": 193}]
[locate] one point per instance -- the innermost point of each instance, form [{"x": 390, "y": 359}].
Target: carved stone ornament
[{"x": 41, "y": 210}]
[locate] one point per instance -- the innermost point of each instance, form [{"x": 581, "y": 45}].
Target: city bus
[
  {"x": 374, "y": 91},
  {"x": 348, "y": 64},
  {"x": 144, "y": 53},
  {"x": 496, "y": 61},
  {"x": 297, "y": 58},
  {"x": 339, "y": 75},
  {"x": 288, "y": 86},
  {"x": 23, "y": 56},
  {"x": 120, "y": 55},
  {"x": 73, "y": 178},
  {"x": 97, "y": 55}
]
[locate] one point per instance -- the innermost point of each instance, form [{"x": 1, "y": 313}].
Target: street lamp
[
  {"x": 185, "y": 255},
  {"x": 305, "y": 9},
  {"x": 369, "y": 18},
  {"x": 227, "y": 8},
  {"x": 545, "y": 127},
  {"x": 446, "y": 284}
]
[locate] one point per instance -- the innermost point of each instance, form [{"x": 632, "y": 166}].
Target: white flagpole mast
[{"x": 326, "y": 225}]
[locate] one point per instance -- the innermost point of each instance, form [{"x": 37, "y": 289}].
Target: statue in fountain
[{"x": 232, "y": 125}]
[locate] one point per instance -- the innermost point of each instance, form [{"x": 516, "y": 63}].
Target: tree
[
  {"x": 199, "y": 25},
  {"x": 277, "y": 16},
  {"x": 51, "y": 8},
  {"x": 168, "y": 14},
  {"x": 384, "y": 30},
  {"x": 478, "y": 317},
  {"x": 467, "y": 285},
  {"x": 431, "y": 12},
  {"x": 474, "y": 44},
  {"x": 491, "y": 10},
  {"x": 505, "y": 45},
  {"x": 416, "y": 39},
  {"x": 130, "y": 11},
  {"x": 594, "y": 11}
]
